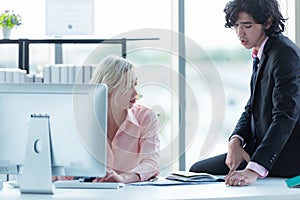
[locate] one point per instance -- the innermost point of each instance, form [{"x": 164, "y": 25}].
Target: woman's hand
[
  {"x": 113, "y": 176},
  {"x": 56, "y": 178}
]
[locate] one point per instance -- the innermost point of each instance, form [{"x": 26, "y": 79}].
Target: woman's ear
[{"x": 268, "y": 23}]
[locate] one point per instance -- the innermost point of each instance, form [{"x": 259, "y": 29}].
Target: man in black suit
[{"x": 266, "y": 139}]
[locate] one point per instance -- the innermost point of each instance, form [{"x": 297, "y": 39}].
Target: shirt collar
[
  {"x": 261, "y": 48},
  {"x": 131, "y": 117}
]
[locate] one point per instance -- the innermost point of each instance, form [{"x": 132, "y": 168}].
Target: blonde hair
[{"x": 113, "y": 70}]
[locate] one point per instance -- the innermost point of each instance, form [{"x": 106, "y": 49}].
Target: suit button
[{"x": 271, "y": 161}]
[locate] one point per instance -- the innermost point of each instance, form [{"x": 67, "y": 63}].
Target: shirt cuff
[
  {"x": 260, "y": 170},
  {"x": 239, "y": 137}
]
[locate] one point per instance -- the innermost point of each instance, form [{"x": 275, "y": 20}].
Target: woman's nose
[{"x": 134, "y": 92}]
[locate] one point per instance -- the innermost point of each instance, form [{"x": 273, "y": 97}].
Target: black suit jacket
[{"x": 275, "y": 105}]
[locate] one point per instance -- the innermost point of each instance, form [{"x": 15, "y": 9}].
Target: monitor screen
[{"x": 76, "y": 117}]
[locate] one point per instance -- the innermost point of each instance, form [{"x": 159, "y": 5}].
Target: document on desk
[
  {"x": 162, "y": 181},
  {"x": 186, "y": 176}
]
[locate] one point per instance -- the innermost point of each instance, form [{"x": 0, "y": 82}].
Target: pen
[{"x": 153, "y": 179}]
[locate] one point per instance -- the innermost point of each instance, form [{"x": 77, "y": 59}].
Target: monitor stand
[{"x": 36, "y": 176}]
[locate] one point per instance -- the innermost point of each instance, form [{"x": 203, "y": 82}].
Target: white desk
[{"x": 267, "y": 189}]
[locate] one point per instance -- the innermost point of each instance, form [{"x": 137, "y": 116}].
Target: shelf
[{"x": 24, "y": 46}]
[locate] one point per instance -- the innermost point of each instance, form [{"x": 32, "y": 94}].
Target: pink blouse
[{"x": 135, "y": 147}]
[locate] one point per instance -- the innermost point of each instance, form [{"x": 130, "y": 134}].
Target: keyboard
[{"x": 78, "y": 184}]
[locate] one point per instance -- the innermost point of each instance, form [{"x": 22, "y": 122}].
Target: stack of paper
[
  {"x": 12, "y": 75},
  {"x": 186, "y": 176},
  {"x": 62, "y": 73}
]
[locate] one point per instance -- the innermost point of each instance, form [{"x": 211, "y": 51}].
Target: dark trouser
[{"x": 214, "y": 165}]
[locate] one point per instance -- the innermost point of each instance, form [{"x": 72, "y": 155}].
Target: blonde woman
[{"x": 132, "y": 130}]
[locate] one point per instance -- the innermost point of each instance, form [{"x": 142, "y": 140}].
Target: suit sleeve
[{"x": 243, "y": 127}]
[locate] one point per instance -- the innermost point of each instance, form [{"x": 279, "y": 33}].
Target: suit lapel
[{"x": 263, "y": 59}]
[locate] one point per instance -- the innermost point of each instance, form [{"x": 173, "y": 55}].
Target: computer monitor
[{"x": 52, "y": 129}]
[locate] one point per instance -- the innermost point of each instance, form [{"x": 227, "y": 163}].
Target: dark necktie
[
  {"x": 253, "y": 80},
  {"x": 254, "y": 72}
]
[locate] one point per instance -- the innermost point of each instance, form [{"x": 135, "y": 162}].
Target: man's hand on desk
[{"x": 241, "y": 178}]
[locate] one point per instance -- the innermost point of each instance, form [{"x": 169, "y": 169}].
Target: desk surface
[{"x": 267, "y": 189}]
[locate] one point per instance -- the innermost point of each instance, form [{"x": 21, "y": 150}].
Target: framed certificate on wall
[{"x": 69, "y": 17}]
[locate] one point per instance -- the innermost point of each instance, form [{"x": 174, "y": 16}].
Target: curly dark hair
[{"x": 259, "y": 10}]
